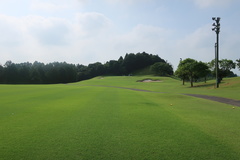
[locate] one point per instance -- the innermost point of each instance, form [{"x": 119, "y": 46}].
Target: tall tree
[
  {"x": 96, "y": 69},
  {"x": 132, "y": 62},
  {"x": 129, "y": 63},
  {"x": 24, "y": 70},
  {"x": 191, "y": 69},
  {"x": 82, "y": 72},
  {"x": 225, "y": 67},
  {"x": 188, "y": 67},
  {"x": 113, "y": 67},
  {"x": 1, "y": 74},
  {"x": 11, "y": 72},
  {"x": 162, "y": 69},
  {"x": 203, "y": 70},
  {"x": 238, "y": 63},
  {"x": 181, "y": 73}
]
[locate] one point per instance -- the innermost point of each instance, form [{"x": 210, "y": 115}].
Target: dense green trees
[
  {"x": 36, "y": 73},
  {"x": 190, "y": 69},
  {"x": 62, "y": 72},
  {"x": 132, "y": 62},
  {"x": 225, "y": 67},
  {"x": 162, "y": 69},
  {"x": 238, "y": 63},
  {"x": 40, "y": 73}
]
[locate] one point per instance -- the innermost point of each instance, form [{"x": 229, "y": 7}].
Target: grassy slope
[
  {"x": 229, "y": 88},
  {"x": 87, "y": 122}
]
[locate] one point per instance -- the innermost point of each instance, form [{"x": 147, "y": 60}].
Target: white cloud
[
  {"x": 10, "y": 34},
  {"x": 49, "y": 39},
  {"x": 87, "y": 37},
  {"x": 197, "y": 45},
  {"x": 229, "y": 45},
  {"x": 92, "y": 23},
  {"x": 49, "y": 31},
  {"x": 144, "y": 38},
  {"x": 91, "y": 37}
]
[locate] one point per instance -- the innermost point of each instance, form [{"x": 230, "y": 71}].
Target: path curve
[
  {"x": 217, "y": 99},
  {"x": 212, "y": 98}
]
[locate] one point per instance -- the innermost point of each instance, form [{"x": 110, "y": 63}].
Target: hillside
[
  {"x": 54, "y": 73},
  {"x": 229, "y": 88}
]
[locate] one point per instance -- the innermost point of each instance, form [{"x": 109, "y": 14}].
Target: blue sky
[{"x": 87, "y": 31}]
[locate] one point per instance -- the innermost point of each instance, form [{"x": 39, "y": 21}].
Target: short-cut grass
[{"x": 86, "y": 120}]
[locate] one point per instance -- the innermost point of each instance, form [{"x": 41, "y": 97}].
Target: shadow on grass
[{"x": 203, "y": 85}]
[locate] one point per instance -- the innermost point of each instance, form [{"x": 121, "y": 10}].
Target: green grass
[
  {"x": 229, "y": 88},
  {"x": 82, "y": 121}
]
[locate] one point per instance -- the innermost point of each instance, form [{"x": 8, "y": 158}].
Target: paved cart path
[
  {"x": 212, "y": 98},
  {"x": 217, "y": 99}
]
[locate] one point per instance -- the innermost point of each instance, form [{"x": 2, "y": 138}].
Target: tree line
[
  {"x": 62, "y": 72},
  {"x": 193, "y": 70}
]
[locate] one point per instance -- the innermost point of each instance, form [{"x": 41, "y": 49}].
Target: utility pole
[{"x": 216, "y": 28}]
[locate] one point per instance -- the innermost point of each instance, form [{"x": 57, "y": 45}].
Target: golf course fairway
[{"x": 97, "y": 119}]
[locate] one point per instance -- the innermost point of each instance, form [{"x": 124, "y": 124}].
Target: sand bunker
[{"x": 149, "y": 80}]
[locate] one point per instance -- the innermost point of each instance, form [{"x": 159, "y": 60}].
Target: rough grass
[{"x": 81, "y": 121}]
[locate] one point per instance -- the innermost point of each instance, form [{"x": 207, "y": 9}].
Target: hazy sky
[{"x": 87, "y": 31}]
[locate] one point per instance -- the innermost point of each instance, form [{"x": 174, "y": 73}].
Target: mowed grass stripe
[
  {"x": 75, "y": 122},
  {"x": 32, "y": 124},
  {"x": 215, "y": 119},
  {"x": 161, "y": 130}
]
